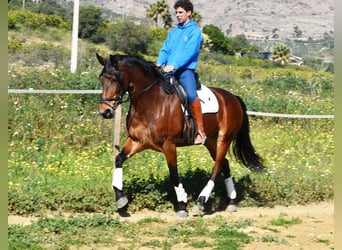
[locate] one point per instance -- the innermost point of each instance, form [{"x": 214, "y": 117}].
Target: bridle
[{"x": 119, "y": 99}]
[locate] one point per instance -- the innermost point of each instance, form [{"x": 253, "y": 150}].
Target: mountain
[{"x": 256, "y": 19}]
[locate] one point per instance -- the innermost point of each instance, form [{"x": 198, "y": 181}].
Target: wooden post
[
  {"x": 116, "y": 140},
  {"x": 117, "y": 125}
]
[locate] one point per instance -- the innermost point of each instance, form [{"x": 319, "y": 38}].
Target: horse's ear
[
  {"x": 114, "y": 59},
  {"x": 102, "y": 60}
]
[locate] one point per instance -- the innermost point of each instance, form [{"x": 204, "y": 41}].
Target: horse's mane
[{"x": 149, "y": 68}]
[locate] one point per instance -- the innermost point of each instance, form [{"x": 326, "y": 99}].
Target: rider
[{"x": 179, "y": 57}]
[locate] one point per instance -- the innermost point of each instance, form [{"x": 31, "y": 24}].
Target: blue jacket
[{"x": 181, "y": 47}]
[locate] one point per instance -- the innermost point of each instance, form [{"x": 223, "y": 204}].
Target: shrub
[
  {"x": 14, "y": 45},
  {"x": 41, "y": 54},
  {"x": 60, "y": 151},
  {"x": 35, "y": 21}
]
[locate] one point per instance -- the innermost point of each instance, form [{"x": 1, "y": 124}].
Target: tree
[
  {"x": 281, "y": 54},
  {"x": 218, "y": 42},
  {"x": 126, "y": 36},
  {"x": 90, "y": 22},
  {"x": 217, "y": 38},
  {"x": 239, "y": 43},
  {"x": 206, "y": 43},
  {"x": 160, "y": 12},
  {"x": 297, "y": 31},
  {"x": 196, "y": 17}
]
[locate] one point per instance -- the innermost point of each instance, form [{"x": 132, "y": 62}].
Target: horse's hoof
[
  {"x": 182, "y": 214},
  {"x": 231, "y": 208},
  {"x": 123, "y": 213},
  {"x": 198, "y": 209},
  {"x": 123, "y": 201}
]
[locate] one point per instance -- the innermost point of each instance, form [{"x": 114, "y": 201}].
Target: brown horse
[{"x": 156, "y": 121}]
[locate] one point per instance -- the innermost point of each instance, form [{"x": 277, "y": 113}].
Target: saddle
[
  {"x": 179, "y": 89},
  {"x": 189, "y": 129}
]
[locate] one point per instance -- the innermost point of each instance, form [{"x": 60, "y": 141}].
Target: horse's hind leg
[
  {"x": 203, "y": 197},
  {"x": 230, "y": 187},
  {"x": 218, "y": 152}
]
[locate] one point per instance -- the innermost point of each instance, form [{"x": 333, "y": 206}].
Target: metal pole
[{"x": 73, "y": 62}]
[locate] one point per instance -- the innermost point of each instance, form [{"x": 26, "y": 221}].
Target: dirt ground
[{"x": 315, "y": 232}]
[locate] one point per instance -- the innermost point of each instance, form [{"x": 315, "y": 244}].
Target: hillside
[{"x": 257, "y": 19}]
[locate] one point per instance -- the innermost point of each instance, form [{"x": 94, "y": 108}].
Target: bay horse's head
[
  {"x": 126, "y": 73},
  {"x": 112, "y": 82}
]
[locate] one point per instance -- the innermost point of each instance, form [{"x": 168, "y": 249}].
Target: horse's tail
[{"x": 243, "y": 149}]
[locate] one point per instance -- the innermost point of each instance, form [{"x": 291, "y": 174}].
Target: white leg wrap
[
  {"x": 230, "y": 188},
  {"x": 181, "y": 194},
  {"x": 207, "y": 190},
  {"x": 117, "y": 178}
]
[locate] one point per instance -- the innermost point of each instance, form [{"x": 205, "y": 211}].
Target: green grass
[
  {"x": 60, "y": 149},
  {"x": 78, "y": 179},
  {"x": 270, "y": 238},
  {"x": 60, "y": 152},
  {"x": 103, "y": 230},
  {"x": 285, "y": 222},
  {"x": 324, "y": 241}
]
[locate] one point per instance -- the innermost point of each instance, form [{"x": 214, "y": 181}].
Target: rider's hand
[{"x": 169, "y": 68}]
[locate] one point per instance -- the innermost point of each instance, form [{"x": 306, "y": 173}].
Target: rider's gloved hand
[{"x": 167, "y": 75}]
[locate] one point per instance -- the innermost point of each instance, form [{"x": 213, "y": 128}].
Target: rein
[{"x": 145, "y": 89}]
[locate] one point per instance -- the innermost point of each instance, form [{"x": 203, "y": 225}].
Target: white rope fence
[
  {"x": 53, "y": 91},
  {"x": 44, "y": 91},
  {"x": 291, "y": 115}
]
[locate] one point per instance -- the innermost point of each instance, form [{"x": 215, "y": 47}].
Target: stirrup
[{"x": 203, "y": 136}]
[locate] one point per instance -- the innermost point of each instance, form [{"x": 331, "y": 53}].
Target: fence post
[
  {"x": 116, "y": 139},
  {"x": 117, "y": 125}
]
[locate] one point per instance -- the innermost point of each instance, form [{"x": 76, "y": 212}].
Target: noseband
[{"x": 117, "y": 101}]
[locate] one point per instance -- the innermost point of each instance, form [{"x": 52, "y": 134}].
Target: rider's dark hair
[{"x": 185, "y": 4}]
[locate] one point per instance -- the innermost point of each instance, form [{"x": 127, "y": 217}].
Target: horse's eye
[{"x": 112, "y": 79}]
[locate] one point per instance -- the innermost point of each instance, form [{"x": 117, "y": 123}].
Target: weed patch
[
  {"x": 282, "y": 221},
  {"x": 105, "y": 230}
]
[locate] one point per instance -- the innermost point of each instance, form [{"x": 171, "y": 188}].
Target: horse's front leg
[
  {"x": 182, "y": 197},
  {"x": 130, "y": 148},
  {"x": 117, "y": 181}
]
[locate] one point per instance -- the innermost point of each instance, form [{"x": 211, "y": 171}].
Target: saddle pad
[{"x": 209, "y": 103}]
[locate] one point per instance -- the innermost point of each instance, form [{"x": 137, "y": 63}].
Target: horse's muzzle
[{"x": 107, "y": 113}]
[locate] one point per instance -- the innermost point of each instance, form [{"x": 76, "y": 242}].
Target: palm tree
[
  {"x": 160, "y": 11},
  {"x": 196, "y": 17},
  {"x": 281, "y": 54}
]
